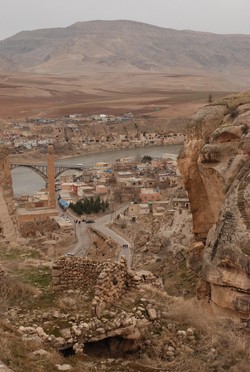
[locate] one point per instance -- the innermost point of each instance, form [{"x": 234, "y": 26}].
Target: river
[{"x": 26, "y": 181}]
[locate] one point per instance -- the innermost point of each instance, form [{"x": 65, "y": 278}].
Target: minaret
[{"x": 51, "y": 178}]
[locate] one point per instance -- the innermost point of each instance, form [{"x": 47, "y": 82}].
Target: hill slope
[
  {"x": 128, "y": 46},
  {"x": 6, "y": 63}
]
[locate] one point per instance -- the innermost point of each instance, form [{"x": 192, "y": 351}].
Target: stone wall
[
  {"x": 75, "y": 273},
  {"x": 26, "y": 216},
  {"x": 110, "y": 280}
]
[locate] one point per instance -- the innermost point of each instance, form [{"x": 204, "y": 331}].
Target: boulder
[
  {"x": 63, "y": 367},
  {"x": 152, "y": 314}
]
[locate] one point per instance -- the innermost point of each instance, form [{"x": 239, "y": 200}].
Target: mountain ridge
[{"x": 128, "y": 46}]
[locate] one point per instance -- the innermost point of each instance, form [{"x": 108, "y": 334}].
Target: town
[
  {"x": 146, "y": 186},
  {"x": 76, "y": 132},
  {"x": 124, "y": 186}
]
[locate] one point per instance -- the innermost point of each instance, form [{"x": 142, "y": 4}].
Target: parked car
[
  {"x": 90, "y": 221},
  {"x": 125, "y": 246}
]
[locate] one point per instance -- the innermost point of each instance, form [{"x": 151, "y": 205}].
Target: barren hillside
[
  {"x": 128, "y": 46},
  {"x": 6, "y": 63}
]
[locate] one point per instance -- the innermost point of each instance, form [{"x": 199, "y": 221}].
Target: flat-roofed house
[{"x": 150, "y": 195}]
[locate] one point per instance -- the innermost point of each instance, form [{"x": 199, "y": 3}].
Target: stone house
[
  {"x": 130, "y": 182},
  {"x": 85, "y": 191},
  {"x": 135, "y": 210},
  {"x": 181, "y": 203},
  {"x": 159, "y": 208},
  {"x": 101, "y": 189},
  {"x": 150, "y": 182},
  {"x": 149, "y": 195}
]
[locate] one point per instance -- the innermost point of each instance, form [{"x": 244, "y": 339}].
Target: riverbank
[
  {"x": 108, "y": 149},
  {"x": 39, "y": 156},
  {"x": 20, "y": 175}
]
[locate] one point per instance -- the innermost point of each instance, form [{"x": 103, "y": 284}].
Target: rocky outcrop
[
  {"x": 215, "y": 164},
  {"x": 204, "y": 210},
  {"x": 8, "y": 221}
]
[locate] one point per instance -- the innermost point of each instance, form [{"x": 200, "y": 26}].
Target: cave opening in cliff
[{"x": 111, "y": 347}]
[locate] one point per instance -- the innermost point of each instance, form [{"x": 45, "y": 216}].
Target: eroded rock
[{"x": 216, "y": 168}]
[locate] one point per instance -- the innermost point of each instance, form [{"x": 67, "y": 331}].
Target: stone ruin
[
  {"x": 8, "y": 220},
  {"x": 110, "y": 280}
]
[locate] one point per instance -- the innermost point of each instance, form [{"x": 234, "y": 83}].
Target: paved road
[
  {"x": 102, "y": 225},
  {"x": 81, "y": 232},
  {"x": 82, "y": 235},
  {"x": 83, "y": 240}
]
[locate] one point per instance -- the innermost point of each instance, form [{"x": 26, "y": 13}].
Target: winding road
[{"x": 101, "y": 225}]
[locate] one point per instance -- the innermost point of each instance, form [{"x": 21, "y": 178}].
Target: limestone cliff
[
  {"x": 8, "y": 222},
  {"x": 215, "y": 164}
]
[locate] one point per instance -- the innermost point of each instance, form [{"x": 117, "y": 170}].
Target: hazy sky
[{"x": 218, "y": 16}]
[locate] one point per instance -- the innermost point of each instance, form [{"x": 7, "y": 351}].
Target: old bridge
[{"x": 42, "y": 169}]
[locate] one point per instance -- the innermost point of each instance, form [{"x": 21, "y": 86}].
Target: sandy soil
[{"x": 154, "y": 94}]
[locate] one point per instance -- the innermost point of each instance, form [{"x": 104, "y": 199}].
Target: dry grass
[
  {"x": 18, "y": 354},
  {"x": 14, "y": 292},
  {"x": 232, "y": 101},
  {"x": 230, "y": 342}
]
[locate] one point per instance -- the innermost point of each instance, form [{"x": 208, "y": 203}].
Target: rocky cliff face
[
  {"x": 8, "y": 222},
  {"x": 215, "y": 164}
]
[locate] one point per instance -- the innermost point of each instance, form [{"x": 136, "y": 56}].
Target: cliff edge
[
  {"x": 215, "y": 164},
  {"x": 8, "y": 220}
]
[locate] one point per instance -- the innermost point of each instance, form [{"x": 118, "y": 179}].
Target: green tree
[{"x": 89, "y": 205}]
